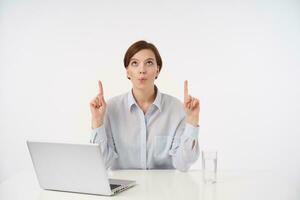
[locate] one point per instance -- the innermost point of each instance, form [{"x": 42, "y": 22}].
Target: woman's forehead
[{"x": 143, "y": 54}]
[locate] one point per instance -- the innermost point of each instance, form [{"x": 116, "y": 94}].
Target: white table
[{"x": 166, "y": 184}]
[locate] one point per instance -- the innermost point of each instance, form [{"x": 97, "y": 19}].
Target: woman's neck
[{"x": 144, "y": 96}]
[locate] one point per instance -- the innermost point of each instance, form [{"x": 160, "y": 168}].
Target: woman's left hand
[{"x": 191, "y": 107}]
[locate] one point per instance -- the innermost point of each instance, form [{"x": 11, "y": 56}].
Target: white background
[{"x": 242, "y": 59}]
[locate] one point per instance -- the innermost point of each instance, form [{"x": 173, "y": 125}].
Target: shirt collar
[{"x": 157, "y": 100}]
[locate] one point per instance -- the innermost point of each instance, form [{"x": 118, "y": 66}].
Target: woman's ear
[
  {"x": 157, "y": 73},
  {"x": 127, "y": 73}
]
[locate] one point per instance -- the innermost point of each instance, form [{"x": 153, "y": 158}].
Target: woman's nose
[{"x": 142, "y": 69}]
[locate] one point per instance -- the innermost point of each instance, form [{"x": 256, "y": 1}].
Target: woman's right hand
[{"x": 98, "y": 108}]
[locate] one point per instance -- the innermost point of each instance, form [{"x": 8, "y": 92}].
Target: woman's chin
[{"x": 141, "y": 86}]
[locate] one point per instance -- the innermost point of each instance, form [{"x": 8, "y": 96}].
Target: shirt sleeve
[
  {"x": 185, "y": 148},
  {"x": 103, "y": 136}
]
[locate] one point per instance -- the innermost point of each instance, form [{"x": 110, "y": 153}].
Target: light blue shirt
[{"x": 158, "y": 139}]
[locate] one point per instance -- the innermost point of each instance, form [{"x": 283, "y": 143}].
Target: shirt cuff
[
  {"x": 98, "y": 134},
  {"x": 191, "y": 131}
]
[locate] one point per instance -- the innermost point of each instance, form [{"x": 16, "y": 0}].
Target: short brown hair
[{"x": 138, "y": 46}]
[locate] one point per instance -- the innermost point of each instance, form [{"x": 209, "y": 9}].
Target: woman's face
[{"x": 143, "y": 69}]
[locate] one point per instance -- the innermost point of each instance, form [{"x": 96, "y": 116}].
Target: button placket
[{"x": 143, "y": 140}]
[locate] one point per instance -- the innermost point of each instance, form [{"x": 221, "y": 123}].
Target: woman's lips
[{"x": 142, "y": 80}]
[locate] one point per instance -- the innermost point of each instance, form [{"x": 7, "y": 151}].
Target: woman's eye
[
  {"x": 134, "y": 63},
  {"x": 149, "y": 62}
]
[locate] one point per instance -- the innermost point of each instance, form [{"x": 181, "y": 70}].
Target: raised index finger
[
  {"x": 186, "y": 90},
  {"x": 100, "y": 88}
]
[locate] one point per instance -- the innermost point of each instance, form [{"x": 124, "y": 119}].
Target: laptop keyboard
[{"x": 113, "y": 186}]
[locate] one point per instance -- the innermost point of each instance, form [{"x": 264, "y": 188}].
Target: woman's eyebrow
[
  {"x": 138, "y": 59},
  {"x": 133, "y": 59},
  {"x": 150, "y": 59}
]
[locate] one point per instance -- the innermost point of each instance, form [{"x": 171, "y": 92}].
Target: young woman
[{"x": 144, "y": 128}]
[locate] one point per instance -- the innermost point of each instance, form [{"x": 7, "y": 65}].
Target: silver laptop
[{"x": 73, "y": 168}]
